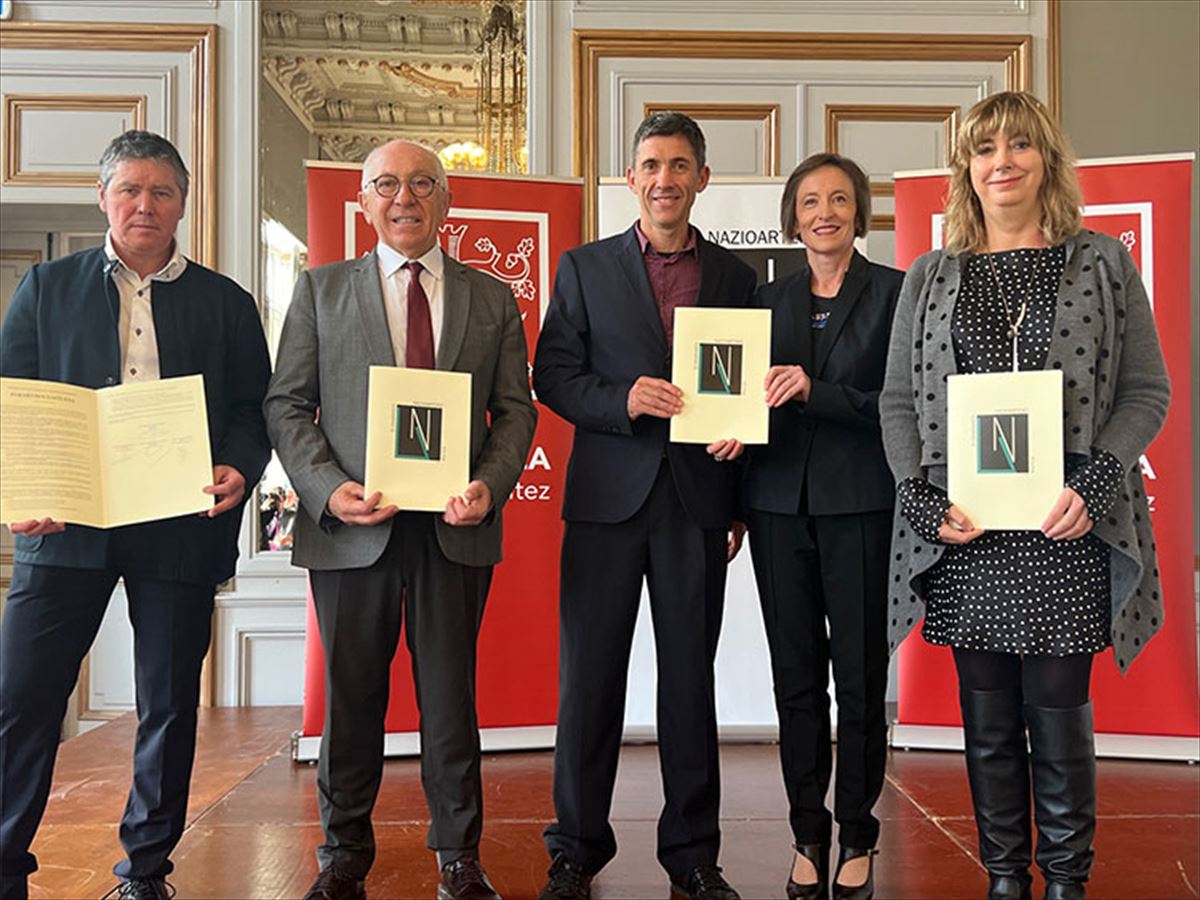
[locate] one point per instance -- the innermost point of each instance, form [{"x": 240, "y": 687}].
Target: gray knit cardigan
[{"x": 1116, "y": 393}]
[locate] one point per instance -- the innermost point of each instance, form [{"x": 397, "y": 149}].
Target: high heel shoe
[
  {"x": 864, "y": 891},
  {"x": 818, "y": 855}
]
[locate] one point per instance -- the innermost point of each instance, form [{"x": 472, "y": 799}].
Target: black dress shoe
[
  {"x": 567, "y": 881},
  {"x": 142, "y": 889},
  {"x": 864, "y": 891},
  {"x": 464, "y": 879},
  {"x": 703, "y": 883},
  {"x": 818, "y": 855},
  {"x": 334, "y": 884}
]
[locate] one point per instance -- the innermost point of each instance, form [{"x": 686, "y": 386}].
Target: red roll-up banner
[
  {"x": 514, "y": 228},
  {"x": 1154, "y": 710}
]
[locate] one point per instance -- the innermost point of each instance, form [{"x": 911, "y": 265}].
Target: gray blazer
[
  {"x": 1115, "y": 398},
  {"x": 335, "y": 329}
]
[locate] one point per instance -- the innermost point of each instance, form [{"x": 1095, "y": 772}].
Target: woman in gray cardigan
[{"x": 1025, "y": 611}]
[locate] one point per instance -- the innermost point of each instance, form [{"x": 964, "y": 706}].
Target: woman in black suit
[{"x": 819, "y": 503}]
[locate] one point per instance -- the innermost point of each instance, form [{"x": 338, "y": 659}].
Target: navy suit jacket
[
  {"x": 62, "y": 326},
  {"x": 602, "y": 332},
  {"x": 832, "y": 444}
]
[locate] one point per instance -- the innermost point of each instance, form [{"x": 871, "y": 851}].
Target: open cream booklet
[
  {"x": 418, "y": 436},
  {"x": 107, "y": 457}
]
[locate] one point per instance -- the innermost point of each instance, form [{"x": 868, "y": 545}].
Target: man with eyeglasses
[{"x": 405, "y": 303}]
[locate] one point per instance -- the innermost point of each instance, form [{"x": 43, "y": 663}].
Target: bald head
[
  {"x": 408, "y": 220},
  {"x": 383, "y": 151}
]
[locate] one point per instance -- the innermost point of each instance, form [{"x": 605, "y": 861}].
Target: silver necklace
[{"x": 1014, "y": 326}]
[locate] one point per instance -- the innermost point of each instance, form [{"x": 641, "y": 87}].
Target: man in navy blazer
[
  {"x": 637, "y": 506},
  {"x": 134, "y": 310}
]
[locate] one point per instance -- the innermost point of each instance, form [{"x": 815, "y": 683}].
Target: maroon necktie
[{"x": 420, "y": 327}]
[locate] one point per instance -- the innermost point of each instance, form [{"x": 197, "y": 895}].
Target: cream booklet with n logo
[
  {"x": 1005, "y": 447},
  {"x": 418, "y": 436},
  {"x": 107, "y": 457},
  {"x": 719, "y": 360}
]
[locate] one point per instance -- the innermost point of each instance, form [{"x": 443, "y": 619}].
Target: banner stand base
[
  {"x": 1109, "y": 746},
  {"x": 408, "y": 743}
]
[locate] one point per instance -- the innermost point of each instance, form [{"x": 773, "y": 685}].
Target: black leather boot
[
  {"x": 998, "y": 771},
  {"x": 1063, "y": 761}
]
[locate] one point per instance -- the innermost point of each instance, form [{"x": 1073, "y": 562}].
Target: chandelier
[{"x": 502, "y": 95}]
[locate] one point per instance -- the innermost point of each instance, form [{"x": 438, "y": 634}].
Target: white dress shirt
[
  {"x": 394, "y": 281},
  {"x": 139, "y": 343}
]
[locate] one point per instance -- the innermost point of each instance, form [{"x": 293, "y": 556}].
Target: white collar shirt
[
  {"x": 139, "y": 342},
  {"x": 394, "y": 279}
]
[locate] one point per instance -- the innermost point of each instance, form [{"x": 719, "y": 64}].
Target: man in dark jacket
[
  {"x": 637, "y": 506},
  {"x": 134, "y": 310}
]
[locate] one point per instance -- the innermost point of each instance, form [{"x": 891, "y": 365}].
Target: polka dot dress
[{"x": 1017, "y": 591}]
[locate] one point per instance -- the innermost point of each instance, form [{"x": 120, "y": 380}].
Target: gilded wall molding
[
  {"x": 590, "y": 46},
  {"x": 1054, "y": 58},
  {"x": 199, "y": 43},
  {"x": 15, "y": 105}
]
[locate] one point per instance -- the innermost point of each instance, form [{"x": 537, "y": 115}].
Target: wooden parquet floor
[{"x": 253, "y": 823}]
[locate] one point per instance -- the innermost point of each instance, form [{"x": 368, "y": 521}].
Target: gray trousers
[{"x": 359, "y": 615}]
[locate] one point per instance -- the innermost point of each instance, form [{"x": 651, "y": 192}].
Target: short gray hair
[
  {"x": 143, "y": 145},
  {"x": 668, "y": 124}
]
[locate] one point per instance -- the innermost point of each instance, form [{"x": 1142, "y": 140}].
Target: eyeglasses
[{"x": 388, "y": 186}]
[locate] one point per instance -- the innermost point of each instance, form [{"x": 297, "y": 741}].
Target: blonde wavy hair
[{"x": 1014, "y": 113}]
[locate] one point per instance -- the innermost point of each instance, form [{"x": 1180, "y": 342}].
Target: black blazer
[
  {"x": 601, "y": 333},
  {"x": 62, "y": 326},
  {"x": 830, "y": 445}
]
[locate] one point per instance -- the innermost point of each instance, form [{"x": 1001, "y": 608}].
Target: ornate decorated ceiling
[{"x": 359, "y": 72}]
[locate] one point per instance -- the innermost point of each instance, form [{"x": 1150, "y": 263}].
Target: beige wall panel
[
  {"x": 258, "y": 646},
  {"x": 18, "y": 252},
  {"x": 63, "y": 144},
  {"x": 736, "y": 148},
  {"x": 882, "y": 148},
  {"x": 106, "y": 686},
  {"x": 843, "y": 10},
  {"x": 264, "y": 654},
  {"x": 65, "y": 141},
  {"x": 675, "y": 83},
  {"x": 914, "y": 85},
  {"x": 803, "y": 90},
  {"x": 552, "y": 24}
]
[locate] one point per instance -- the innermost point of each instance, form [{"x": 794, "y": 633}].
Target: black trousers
[
  {"x": 50, "y": 621},
  {"x": 359, "y": 614},
  {"x": 811, "y": 570},
  {"x": 601, "y": 582}
]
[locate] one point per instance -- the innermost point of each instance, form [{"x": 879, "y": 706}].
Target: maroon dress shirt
[{"x": 674, "y": 277}]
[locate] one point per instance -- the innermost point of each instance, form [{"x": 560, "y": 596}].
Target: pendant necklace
[{"x": 1014, "y": 326}]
